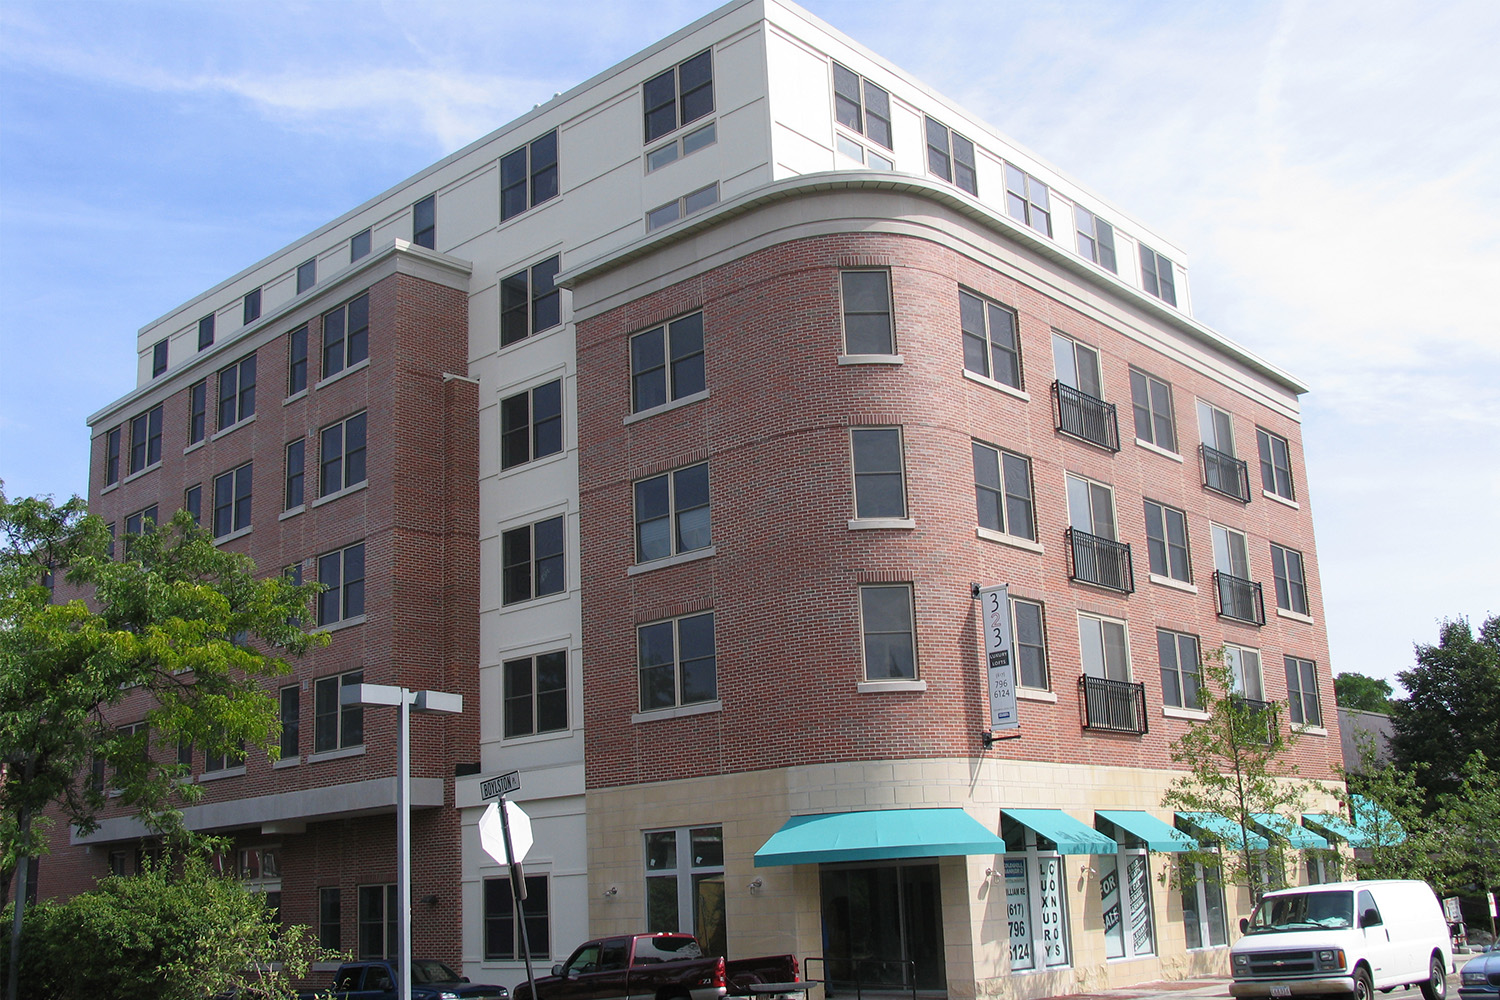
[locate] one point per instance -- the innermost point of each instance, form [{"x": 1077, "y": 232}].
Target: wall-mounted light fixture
[
  {"x": 429, "y": 900},
  {"x": 755, "y": 886},
  {"x": 611, "y": 891}
]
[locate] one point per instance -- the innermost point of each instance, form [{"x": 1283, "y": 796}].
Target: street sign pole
[{"x": 518, "y": 892}]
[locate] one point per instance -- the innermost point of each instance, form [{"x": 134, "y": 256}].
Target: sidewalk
[{"x": 1173, "y": 989}]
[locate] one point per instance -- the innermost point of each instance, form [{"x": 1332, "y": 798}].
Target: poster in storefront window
[
  {"x": 1109, "y": 902},
  {"x": 1050, "y": 913},
  {"x": 1018, "y": 914},
  {"x": 1140, "y": 906}
]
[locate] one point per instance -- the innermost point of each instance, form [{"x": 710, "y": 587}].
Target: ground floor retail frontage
[{"x": 959, "y": 877}]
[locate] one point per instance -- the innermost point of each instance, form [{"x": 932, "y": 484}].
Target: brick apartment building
[{"x": 671, "y": 425}]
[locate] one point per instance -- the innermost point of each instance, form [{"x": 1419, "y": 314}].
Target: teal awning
[
  {"x": 1158, "y": 836},
  {"x": 877, "y": 835},
  {"x": 1223, "y": 830},
  {"x": 1296, "y": 834},
  {"x": 1330, "y": 825},
  {"x": 1070, "y": 835},
  {"x": 1378, "y": 826}
]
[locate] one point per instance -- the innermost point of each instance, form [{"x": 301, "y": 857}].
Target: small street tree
[
  {"x": 1236, "y": 771},
  {"x": 1400, "y": 840},
  {"x": 177, "y": 624},
  {"x": 1469, "y": 847}
]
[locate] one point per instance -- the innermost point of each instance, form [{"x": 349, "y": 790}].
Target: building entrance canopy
[
  {"x": 1158, "y": 836},
  {"x": 1330, "y": 825},
  {"x": 1296, "y": 834},
  {"x": 1222, "y": 830},
  {"x": 1070, "y": 835},
  {"x": 877, "y": 835}
]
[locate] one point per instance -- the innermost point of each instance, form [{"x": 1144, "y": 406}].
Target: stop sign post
[{"x": 505, "y": 834}]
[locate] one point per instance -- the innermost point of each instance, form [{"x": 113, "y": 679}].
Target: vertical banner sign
[{"x": 1000, "y": 656}]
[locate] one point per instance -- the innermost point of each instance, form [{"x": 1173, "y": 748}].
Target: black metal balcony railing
[
  {"x": 1082, "y": 416},
  {"x": 1225, "y": 474},
  {"x": 1239, "y": 599},
  {"x": 1114, "y": 706},
  {"x": 1100, "y": 561}
]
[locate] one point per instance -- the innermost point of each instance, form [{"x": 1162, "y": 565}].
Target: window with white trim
[
  {"x": 1202, "y": 894},
  {"x": 1104, "y": 647},
  {"x": 1167, "y": 542},
  {"x": 677, "y": 662},
  {"x": 237, "y": 392},
  {"x": 1291, "y": 583},
  {"x": 679, "y": 96},
  {"x": 536, "y": 694},
  {"x": 206, "y": 332},
  {"x": 1125, "y": 901},
  {"x": 296, "y": 361},
  {"x": 1002, "y": 489},
  {"x": 307, "y": 275},
  {"x": 688, "y": 204},
  {"x": 672, "y": 513},
  {"x": 528, "y": 176},
  {"x": 1275, "y": 464},
  {"x": 879, "y": 481},
  {"x": 1030, "y": 634},
  {"x": 1244, "y": 672},
  {"x": 1152, "y": 400},
  {"x": 666, "y": 363},
  {"x": 1096, "y": 239},
  {"x": 1027, "y": 200},
  {"x": 951, "y": 156},
  {"x": 861, "y": 106},
  {"x": 424, "y": 222},
  {"x": 296, "y": 455},
  {"x": 1157, "y": 277},
  {"x": 889, "y": 635},
  {"x": 685, "y": 884},
  {"x": 992, "y": 348},
  {"x": 112, "y": 456},
  {"x": 683, "y": 145},
  {"x": 158, "y": 358},
  {"x": 866, "y": 298},
  {"x": 337, "y": 726},
  {"x": 530, "y": 301},
  {"x": 1181, "y": 673}
]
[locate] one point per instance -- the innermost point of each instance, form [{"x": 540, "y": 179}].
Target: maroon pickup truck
[{"x": 661, "y": 967}]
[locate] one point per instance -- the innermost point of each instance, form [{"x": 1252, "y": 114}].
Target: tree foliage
[
  {"x": 1236, "y": 770},
  {"x": 1364, "y": 694},
  {"x": 173, "y": 932},
  {"x": 1469, "y": 820},
  {"x": 1401, "y": 839},
  {"x": 1453, "y": 706}
]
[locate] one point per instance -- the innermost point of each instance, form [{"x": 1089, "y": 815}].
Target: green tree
[
  {"x": 1400, "y": 838},
  {"x": 1236, "y": 770},
  {"x": 178, "y": 620},
  {"x": 1469, "y": 821},
  {"x": 1365, "y": 694},
  {"x": 173, "y": 932},
  {"x": 1452, "y": 708}
]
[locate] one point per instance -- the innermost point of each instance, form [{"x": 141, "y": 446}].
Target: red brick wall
[{"x": 784, "y": 581}]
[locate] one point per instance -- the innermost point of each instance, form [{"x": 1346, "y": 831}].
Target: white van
[{"x": 1349, "y": 938}]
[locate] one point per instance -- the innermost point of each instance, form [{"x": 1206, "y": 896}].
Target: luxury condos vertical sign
[{"x": 994, "y": 603}]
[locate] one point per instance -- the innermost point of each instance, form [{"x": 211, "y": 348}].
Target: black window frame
[
  {"x": 951, "y": 156},
  {"x": 424, "y": 222},
  {"x": 545, "y": 709},
  {"x": 158, "y": 358},
  {"x": 296, "y": 361},
  {"x": 359, "y": 245},
  {"x": 337, "y": 726},
  {"x": 145, "y": 439},
  {"x": 330, "y": 917},
  {"x": 377, "y": 921},
  {"x": 526, "y": 567},
  {"x": 995, "y": 499},
  {"x": 669, "y": 359},
  {"x": 236, "y": 384},
  {"x": 530, "y": 301},
  {"x": 520, "y": 424},
  {"x": 233, "y": 492},
  {"x": 342, "y": 461},
  {"x": 1157, "y": 277},
  {"x": 197, "y": 411},
  {"x": 346, "y": 335},
  {"x": 192, "y": 502},
  {"x": 529, "y": 175},
  {"x": 295, "y": 454},
  {"x": 674, "y": 89},
  {"x": 677, "y": 664},
  {"x": 289, "y": 703},
  {"x": 250, "y": 308},
  {"x": 307, "y": 275},
  {"x": 206, "y": 332},
  {"x": 681, "y": 488},
  {"x": 856, "y": 319},
  {"x": 501, "y": 925},
  {"x": 977, "y": 316},
  {"x": 343, "y": 597},
  {"x": 112, "y": 456}
]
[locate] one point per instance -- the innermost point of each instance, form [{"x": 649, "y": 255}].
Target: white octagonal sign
[{"x": 492, "y": 832}]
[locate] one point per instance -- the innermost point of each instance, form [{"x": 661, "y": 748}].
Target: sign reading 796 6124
[{"x": 999, "y": 651}]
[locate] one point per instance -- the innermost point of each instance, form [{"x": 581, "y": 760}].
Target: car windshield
[
  {"x": 428, "y": 971},
  {"x": 1299, "y": 911}
]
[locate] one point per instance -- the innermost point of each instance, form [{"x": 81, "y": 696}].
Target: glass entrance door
[{"x": 883, "y": 926}]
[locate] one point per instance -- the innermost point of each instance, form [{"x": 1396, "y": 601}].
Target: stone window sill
[
  {"x": 991, "y": 535},
  {"x": 1020, "y": 394},
  {"x": 680, "y": 712},
  {"x": 677, "y": 560}
]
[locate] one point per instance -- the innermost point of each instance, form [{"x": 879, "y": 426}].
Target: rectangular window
[
  {"x": 197, "y": 411},
  {"x": 502, "y": 931},
  {"x": 532, "y": 563},
  {"x": 672, "y": 514},
  {"x": 686, "y": 145},
  {"x": 342, "y": 573},
  {"x": 1027, "y": 200},
  {"x": 295, "y": 453},
  {"x": 677, "y": 662},
  {"x": 1275, "y": 464},
  {"x": 1302, "y": 692},
  {"x": 693, "y": 201},
  {"x": 1125, "y": 901},
  {"x": 530, "y": 301},
  {"x": 192, "y": 502},
  {"x": 138, "y": 524},
  {"x": 1166, "y": 542},
  {"x": 991, "y": 346},
  {"x": 232, "y": 501},
  {"x": 1291, "y": 584},
  {"x": 879, "y": 483},
  {"x": 536, "y": 694},
  {"x": 890, "y": 646},
  {"x": 341, "y": 455},
  {"x": 1156, "y": 275},
  {"x": 330, "y": 918},
  {"x": 1239, "y": 596},
  {"x": 1002, "y": 487},
  {"x": 1104, "y": 647},
  {"x": 1091, "y": 507},
  {"x": 1036, "y": 910},
  {"x": 1077, "y": 366},
  {"x": 1216, "y": 428},
  {"x": 685, "y": 885},
  {"x": 861, "y": 106},
  {"x": 237, "y": 392},
  {"x": 290, "y": 704},
  {"x": 666, "y": 363},
  {"x": 158, "y": 358},
  {"x": 1244, "y": 672},
  {"x": 528, "y": 176},
  {"x": 1152, "y": 399},
  {"x": 867, "y": 313},
  {"x": 224, "y": 759},
  {"x": 206, "y": 332},
  {"x": 1203, "y": 906},
  {"x": 678, "y": 96},
  {"x": 531, "y": 424},
  {"x": 145, "y": 440},
  {"x": 251, "y": 311},
  {"x": 377, "y": 922},
  {"x": 359, "y": 246},
  {"x": 951, "y": 156},
  {"x": 424, "y": 222},
  {"x": 1031, "y": 644},
  {"x": 296, "y": 361},
  {"x": 337, "y": 726},
  {"x": 346, "y": 335},
  {"x": 1096, "y": 239},
  {"x": 307, "y": 275},
  {"x": 112, "y": 456},
  {"x": 1180, "y": 672}
]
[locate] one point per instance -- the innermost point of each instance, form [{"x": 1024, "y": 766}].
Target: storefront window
[
  {"x": 685, "y": 884},
  {"x": 1202, "y": 906},
  {"x": 1036, "y": 908},
  {"x": 883, "y": 926},
  {"x": 1125, "y": 899}
]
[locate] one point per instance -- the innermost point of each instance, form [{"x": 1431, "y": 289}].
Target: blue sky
[{"x": 1331, "y": 168}]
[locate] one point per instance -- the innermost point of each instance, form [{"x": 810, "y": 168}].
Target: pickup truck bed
[{"x": 659, "y": 966}]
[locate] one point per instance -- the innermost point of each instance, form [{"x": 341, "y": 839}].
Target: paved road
[{"x": 1218, "y": 989}]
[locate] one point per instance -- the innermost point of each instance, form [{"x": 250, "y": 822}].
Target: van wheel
[
  {"x": 1435, "y": 986},
  {"x": 1364, "y": 987}
]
